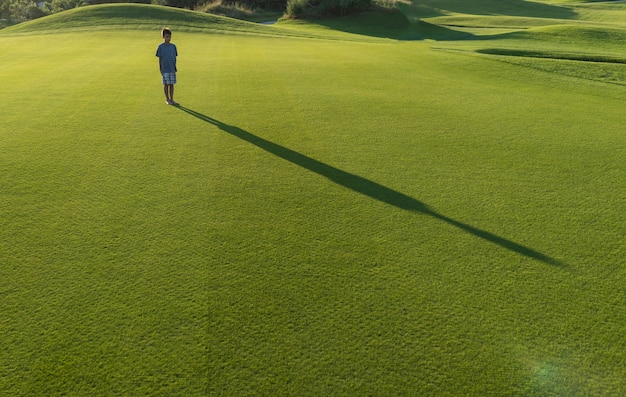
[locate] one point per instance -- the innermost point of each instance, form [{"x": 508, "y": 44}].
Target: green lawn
[{"x": 326, "y": 214}]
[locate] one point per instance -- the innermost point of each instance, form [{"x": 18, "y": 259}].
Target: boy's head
[{"x": 166, "y": 33}]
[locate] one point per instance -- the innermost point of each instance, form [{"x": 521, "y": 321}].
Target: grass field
[{"x": 433, "y": 207}]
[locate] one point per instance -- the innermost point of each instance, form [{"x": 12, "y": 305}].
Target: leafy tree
[
  {"x": 4, "y": 9},
  {"x": 24, "y": 10},
  {"x": 62, "y": 5}
]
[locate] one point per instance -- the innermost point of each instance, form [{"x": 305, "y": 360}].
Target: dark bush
[{"x": 320, "y": 8}]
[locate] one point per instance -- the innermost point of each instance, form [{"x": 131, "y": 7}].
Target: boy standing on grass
[{"x": 167, "y": 54}]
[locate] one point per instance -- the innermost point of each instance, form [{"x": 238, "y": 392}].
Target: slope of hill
[
  {"x": 147, "y": 17},
  {"x": 129, "y": 16},
  {"x": 578, "y": 39}
]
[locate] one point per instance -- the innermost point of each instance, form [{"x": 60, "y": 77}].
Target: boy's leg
[
  {"x": 171, "y": 92},
  {"x": 167, "y": 92}
]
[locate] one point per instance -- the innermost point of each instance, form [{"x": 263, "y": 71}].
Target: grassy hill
[
  {"x": 138, "y": 17},
  {"x": 432, "y": 204}
]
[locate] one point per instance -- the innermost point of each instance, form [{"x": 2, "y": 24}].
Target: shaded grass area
[
  {"x": 367, "y": 187},
  {"x": 597, "y": 52},
  {"x": 592, "y": 37},
  {"x": 319, "y": 217},
  {"x": 554, "y": 55},
  {"x": 377, "y": 22},
  {"x": 489, "y": 7}
]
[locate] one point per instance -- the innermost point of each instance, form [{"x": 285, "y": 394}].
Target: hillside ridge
[{"x": 140, "y": 17}]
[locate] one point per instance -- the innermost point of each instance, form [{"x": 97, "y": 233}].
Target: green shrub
[
  {"x": 299, "y": 8},
  {"x": 317, "y": 8},
  {"x": 231, "y": 10}
]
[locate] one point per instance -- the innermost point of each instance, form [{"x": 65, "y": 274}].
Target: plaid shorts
[{"x": 169, "y": 78}]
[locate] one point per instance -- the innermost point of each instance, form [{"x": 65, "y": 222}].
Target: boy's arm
[{"x": 158, "y": 54}]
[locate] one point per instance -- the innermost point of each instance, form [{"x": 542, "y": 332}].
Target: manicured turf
[{"x": 325, "y": 214}]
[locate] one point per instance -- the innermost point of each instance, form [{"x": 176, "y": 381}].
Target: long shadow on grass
[{"x": 369, "y": 188}]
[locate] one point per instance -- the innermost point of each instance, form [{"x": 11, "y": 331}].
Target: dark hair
[{"x": 165, "y": 31}]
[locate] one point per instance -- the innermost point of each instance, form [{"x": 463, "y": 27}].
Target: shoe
[
  {"x": 173, "y": 102},
  {"x": 168, "y": 102}
]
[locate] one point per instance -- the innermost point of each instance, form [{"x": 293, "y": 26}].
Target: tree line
[{"x": 15, "y": 11}]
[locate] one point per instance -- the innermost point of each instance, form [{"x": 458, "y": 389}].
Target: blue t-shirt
[{"x": 167, "y": 57}]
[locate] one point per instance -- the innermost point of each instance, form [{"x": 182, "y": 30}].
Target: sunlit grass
[{"x": 362, "y": 217}]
